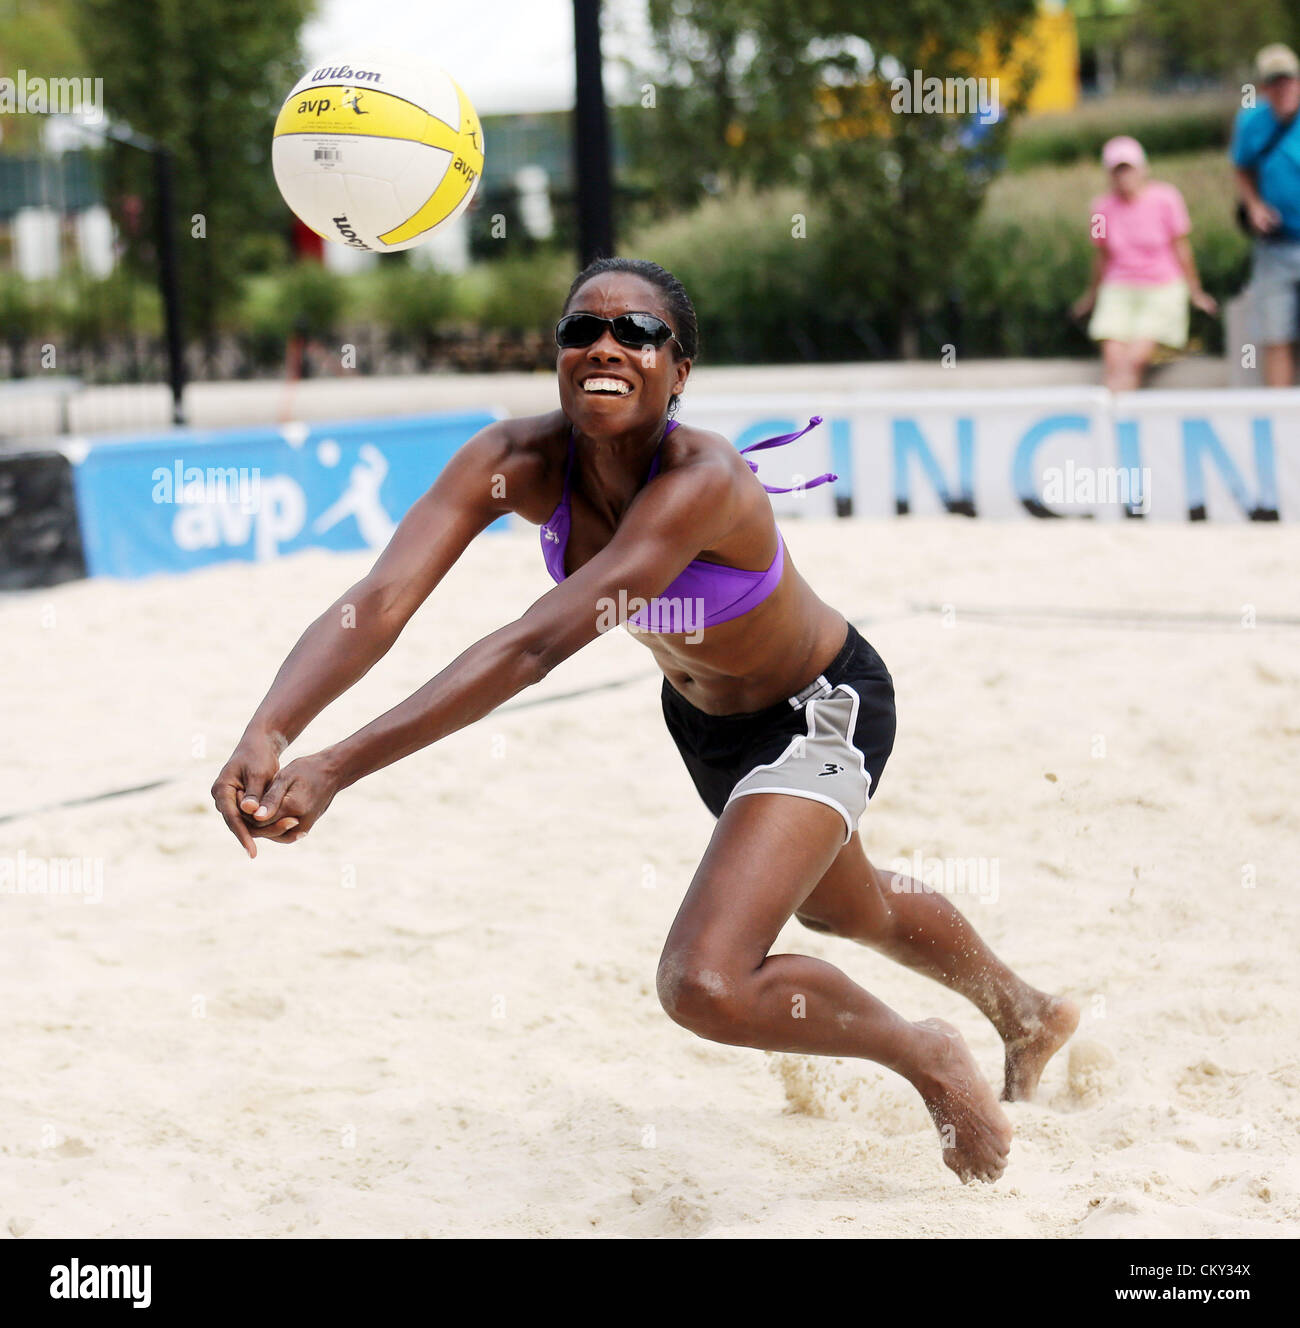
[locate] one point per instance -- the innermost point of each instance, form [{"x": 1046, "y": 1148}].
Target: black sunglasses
[{"x": 631, "y": 330}]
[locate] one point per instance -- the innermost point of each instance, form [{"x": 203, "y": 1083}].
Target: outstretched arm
[
  {"x": 1263, "y": 217},
  {"x": 360, "y": 627},
  {"x": 667, "y": 524}
]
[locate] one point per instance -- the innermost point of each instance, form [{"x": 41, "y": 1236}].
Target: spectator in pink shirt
[{"x": 1143, "y": 272}]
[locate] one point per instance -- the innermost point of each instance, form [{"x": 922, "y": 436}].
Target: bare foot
[
  {"x": 974, "y": 1130},
  {"x": 1049, "y": 1028}
]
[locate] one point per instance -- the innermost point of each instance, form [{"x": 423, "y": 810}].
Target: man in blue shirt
[{"x": 1268, "y": 183}]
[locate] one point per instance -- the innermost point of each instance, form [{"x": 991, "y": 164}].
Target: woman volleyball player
[{"x": 784, "y": 715}]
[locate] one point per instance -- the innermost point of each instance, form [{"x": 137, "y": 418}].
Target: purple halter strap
[{"x": 781, "y": 442}]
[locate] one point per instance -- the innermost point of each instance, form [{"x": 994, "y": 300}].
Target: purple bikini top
[{"x": 703, "y": 594}]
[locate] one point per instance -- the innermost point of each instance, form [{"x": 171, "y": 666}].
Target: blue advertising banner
[{"x": 178, "y": 501}]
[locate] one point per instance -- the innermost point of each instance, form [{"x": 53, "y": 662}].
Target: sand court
[{"x": 437, "y": 1015}]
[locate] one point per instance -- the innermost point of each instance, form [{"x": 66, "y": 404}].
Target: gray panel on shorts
[{"x": 822, "y": 764}]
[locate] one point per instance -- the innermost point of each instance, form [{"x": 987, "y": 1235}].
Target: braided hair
[{"x": 674, "y": 293}]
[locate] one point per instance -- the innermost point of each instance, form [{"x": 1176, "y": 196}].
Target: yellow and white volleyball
[{"x": 377, "y": 153}]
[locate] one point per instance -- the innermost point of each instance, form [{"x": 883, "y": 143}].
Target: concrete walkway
[{"x": 32, "y": 414}]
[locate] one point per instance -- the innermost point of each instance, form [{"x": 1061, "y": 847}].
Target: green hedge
[
  {"x": 758, "y": 291},
  {"x": 78, "y": 310},
  {"x": 1165, "y": 126},
  {"x": 517, "y": 294},
  {"x": 412, "y": 304},
  {"x": 1069, "y": 141}
]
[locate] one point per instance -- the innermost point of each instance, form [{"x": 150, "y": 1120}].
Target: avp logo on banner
[{"x": 186, "y": 500}]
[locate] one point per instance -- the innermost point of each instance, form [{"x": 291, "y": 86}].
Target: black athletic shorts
[{"x": 828, "y": 742}]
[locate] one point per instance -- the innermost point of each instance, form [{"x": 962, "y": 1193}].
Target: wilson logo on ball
[{"x": 349, "y": 236}]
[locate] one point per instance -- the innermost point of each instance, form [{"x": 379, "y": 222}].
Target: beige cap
[{"x": 1277, "y": 61}]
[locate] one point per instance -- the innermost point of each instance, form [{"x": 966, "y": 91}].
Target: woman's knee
[{"x": 700, "y": 993}]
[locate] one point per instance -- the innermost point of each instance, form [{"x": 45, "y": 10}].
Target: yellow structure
[
  {"x": 1052, "y": 47},
  {"x": 1049, "y": 48}
]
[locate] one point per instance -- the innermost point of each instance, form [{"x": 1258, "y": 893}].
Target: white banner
[{"x": 1044, "y": 452}]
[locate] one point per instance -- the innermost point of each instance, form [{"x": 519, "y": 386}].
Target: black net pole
[
  {"x": 591, "y": 139},
  {"x": 168, "y": 281}
]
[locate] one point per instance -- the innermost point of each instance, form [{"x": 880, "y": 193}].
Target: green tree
[
  {"x": 1196, "y": 37},
  {"x": 35, "y": 35},
  {"x": 768, "y": 92},
  {"x": 205, "y": 78}
]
